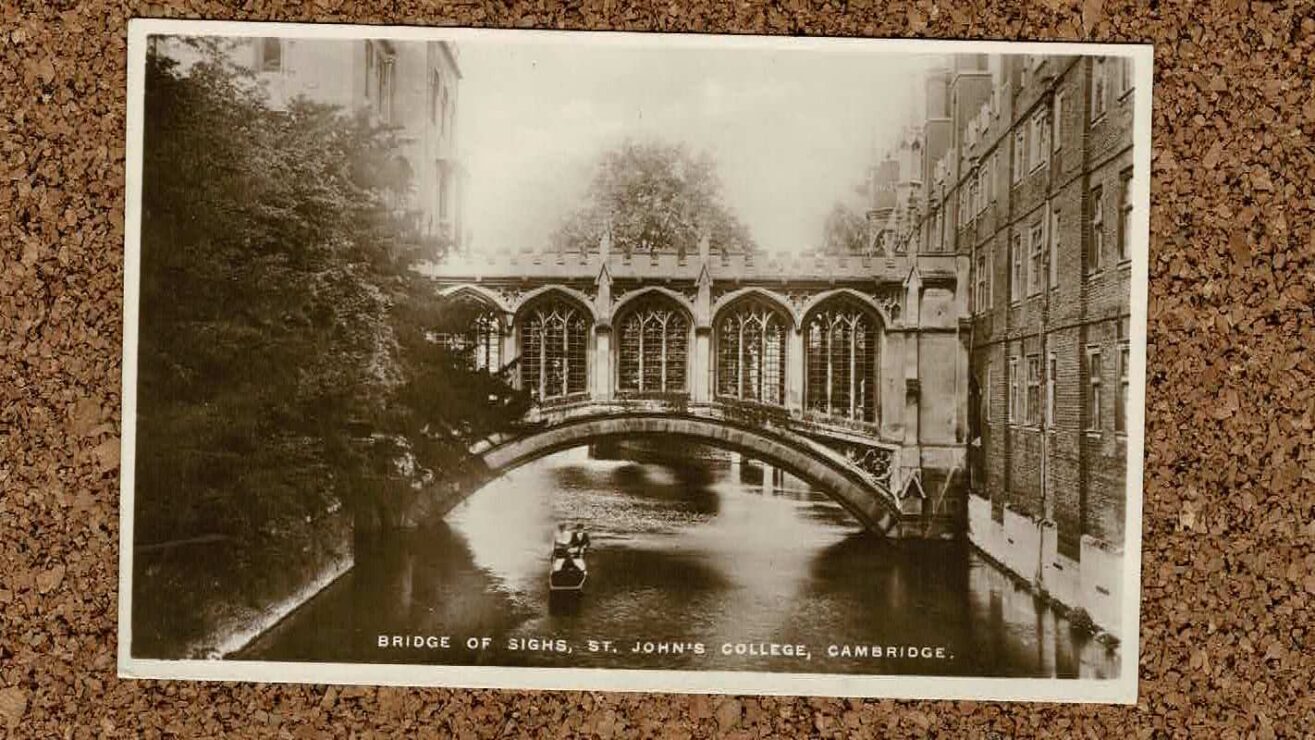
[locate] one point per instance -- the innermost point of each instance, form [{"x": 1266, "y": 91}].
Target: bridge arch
[{"x": 835, "y": 475}]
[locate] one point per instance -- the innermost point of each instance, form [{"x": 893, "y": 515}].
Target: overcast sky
[{"x": 791, "y": 131}]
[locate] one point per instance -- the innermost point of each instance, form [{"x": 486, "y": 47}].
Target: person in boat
[
  {"x": 580, "y": 540},
  {"x": 567, "y": 572},
  {"x": 561, "y": 544}
]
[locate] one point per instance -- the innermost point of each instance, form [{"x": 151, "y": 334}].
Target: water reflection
[{"x": 690, "y": 547}]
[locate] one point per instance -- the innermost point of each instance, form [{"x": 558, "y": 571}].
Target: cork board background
[{"x": 1227, "y": 648}]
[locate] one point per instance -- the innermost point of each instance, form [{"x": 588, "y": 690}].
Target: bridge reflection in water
[{"x": 694, "y": 545}]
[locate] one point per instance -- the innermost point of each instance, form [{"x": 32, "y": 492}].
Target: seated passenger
[
  {"x": 580, "y": 539},
  {"x": 561, "y": 544}
]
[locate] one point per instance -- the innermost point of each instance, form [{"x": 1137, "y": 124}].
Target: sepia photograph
[{"x": 643, "y": 362}]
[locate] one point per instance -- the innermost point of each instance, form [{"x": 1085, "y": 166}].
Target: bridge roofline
[
  {"x": 934, "y": 271},
  {"x": 821, "y": 268}
]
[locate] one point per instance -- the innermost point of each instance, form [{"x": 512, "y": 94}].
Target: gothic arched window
[
  {"x": 554, "y": 340},
  {"x": 653, "y": 344},
  {"x": 842, "y": 372},
  {"x": 751, "y": 339},
  {"x": 474, "y": 328}
]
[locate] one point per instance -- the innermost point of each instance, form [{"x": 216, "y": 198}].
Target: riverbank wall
[
  {"x": 1027, "y": 547},
  {"x": 205, "y": 597}
]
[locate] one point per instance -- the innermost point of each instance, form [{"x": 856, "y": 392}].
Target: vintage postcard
[{"x": 634, "y": 362}]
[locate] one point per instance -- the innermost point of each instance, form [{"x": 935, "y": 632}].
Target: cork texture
[{"x": 1228, "y": 592}]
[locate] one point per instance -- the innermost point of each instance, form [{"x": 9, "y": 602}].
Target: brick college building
[{"x": 1024, "y": 174}]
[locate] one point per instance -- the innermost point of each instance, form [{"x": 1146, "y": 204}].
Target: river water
[{"x": 699, "y": 561}]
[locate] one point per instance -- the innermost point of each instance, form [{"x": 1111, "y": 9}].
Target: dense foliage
[
  {"x": 654, "y": 196},
  {"x": 286, "y": 361}
]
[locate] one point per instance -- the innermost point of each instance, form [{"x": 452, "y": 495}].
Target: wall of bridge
[{"x": 922, "y": 367}]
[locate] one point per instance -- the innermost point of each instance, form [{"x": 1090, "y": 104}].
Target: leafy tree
[
  {"x": 285, "y": 362},
  {"x": 654, "y": 196}
]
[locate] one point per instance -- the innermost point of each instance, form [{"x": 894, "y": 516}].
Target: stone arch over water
[{"x": 830, "y": 471}]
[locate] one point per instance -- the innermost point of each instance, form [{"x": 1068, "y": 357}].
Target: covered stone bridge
[{"x": 850, "y": 371}]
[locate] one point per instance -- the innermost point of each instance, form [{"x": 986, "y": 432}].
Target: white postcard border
[{"x": 1122, "y": 690}]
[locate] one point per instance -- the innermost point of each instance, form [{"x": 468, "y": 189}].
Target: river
[{"x": 695, "y": 564}]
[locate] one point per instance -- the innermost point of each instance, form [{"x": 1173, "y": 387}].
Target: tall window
[
  {"x": 986, "y": 394},
  {"x": 1039, "y": 146},
  {"x": 1057, "y": 135},
  {"x": 1093, "y": 390},
  {"x": 379, "y": 79},
  {"x": 478, "y": 331},
  {"x": 1047, "y": 131},
  {"x": 1020, "y": 141},
  {"x": 269, "y": 55},
  {"x": 1032, "y": 411},
  {"x": 444, "y": 191},
  {"x": 371, "y": 76},
  {"x": 554, "y": 346},
  {"x": 1036, "y": 253},
  {"x": 841, "y": 347},
  {"x": 983, "y": 184},
  {"x": 437, "y": 98},
  {"x": 1126, "y": 65},
  {"x": 982, "y": 295},
  {"x": 1014, "y": 416},
  {"x": 1096, "y": 247},
  {"x": 751, "y": 352},
  {"x": 1016, "y": 268},
  {"x": 1052, "y": 372},
  {"x": 1125, "y": 215},
  {"x": 1099, "y": 93},
  {"x": 1053, "y": 261},
  {"x": 1121, "y": 409},
  {"x": 654, "y": 343}
]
